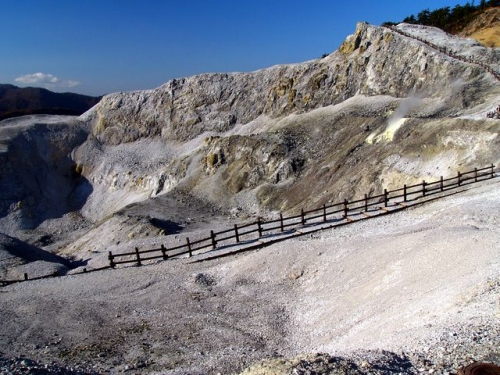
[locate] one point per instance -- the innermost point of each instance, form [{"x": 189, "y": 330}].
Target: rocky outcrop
[
  {"x": 373, "y": 61},
  {"x": 296, "y": 134}
]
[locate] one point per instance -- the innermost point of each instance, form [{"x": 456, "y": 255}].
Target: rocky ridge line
[{"x": 373, "y": 61}]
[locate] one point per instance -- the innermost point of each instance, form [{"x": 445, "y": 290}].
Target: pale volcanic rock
[
  {"x": 373, "y": 61},
  {"x": 140, "y": 169}
]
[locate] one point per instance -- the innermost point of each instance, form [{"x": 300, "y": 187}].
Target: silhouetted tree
[
  {"x": 424, "y": 17},
  {"x": 440, "y": 17},
  {"x": 410, "y": 19}
]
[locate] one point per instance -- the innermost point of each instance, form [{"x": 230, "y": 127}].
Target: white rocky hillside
[
  {"x": 413, "y": 292},
  {"x": 383, "y": 110}
]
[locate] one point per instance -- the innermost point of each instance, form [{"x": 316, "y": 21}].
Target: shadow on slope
[
  {"x": 18, "y": 257},
  {"x": 174, "y": 212},
  {"x": 38, "y": 178}
]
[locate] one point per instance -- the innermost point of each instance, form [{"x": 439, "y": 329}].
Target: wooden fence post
[
  {"x": 346, "y": 208},
  {"x": 458, "y": 176},
  {"x": 475, "y": 174},
  {"x": 423, "y": 188},
  {"x": 441, "y": 184},
  {"x": 366, "y": 202},
  {"x": 491, "y": 174},
  {"x": 138, "y": 256},
  {"x": 111, "y": 257},
  {"x": 404, "y": 193},
  {"x": 324, "y": 213},
  {"x": 214, "y": 242},
  {"x": 386, "y": 197},
  {"x": 189, "y": 247},
  {"x": 302, "y": 217},
  {"x": 236, "y": 233},
  {"x": 25, "y": 276},
  {"x": 281, "y": 222},
  {"x": 164, "y": 252},
  {"x": 259, "y": 227}
]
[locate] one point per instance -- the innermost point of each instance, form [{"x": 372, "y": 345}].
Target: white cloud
[
  {"x": 45, "y": 80},
  {"x": 37, "y": 79}
]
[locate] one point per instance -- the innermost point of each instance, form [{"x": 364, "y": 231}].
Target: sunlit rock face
[
  {"x": 329, "y": 123},
  {"x": 373, "y": 61}
]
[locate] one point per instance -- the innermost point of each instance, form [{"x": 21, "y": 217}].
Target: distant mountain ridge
[{"x": 16, "y": 101}]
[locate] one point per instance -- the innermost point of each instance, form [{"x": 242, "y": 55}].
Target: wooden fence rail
[{"x": 336, "y": 211}]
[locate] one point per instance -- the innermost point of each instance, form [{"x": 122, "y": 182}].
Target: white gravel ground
[{"x": 411, "y": 282}]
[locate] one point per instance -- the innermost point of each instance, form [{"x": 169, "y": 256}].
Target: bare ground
[{"x": 422, "y": 284}]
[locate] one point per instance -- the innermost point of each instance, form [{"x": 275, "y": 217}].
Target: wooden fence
[
  {"x": 244, "y": 234},
  {"x": 251, "y": 232}
]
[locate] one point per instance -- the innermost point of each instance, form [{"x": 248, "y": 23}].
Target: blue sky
[{"x": 96, "y": 47}]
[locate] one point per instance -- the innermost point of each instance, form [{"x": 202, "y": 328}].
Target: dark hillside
[{"x": 16, "y": 101}]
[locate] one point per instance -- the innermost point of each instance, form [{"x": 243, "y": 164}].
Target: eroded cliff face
[
  {"x": 373, "y": 61},
  {"x": 304, "y": 133}
]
